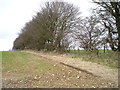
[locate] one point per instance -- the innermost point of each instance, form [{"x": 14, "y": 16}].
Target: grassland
[
  {"x": 109, "y": 58},
  {"x": 18, "y": 61},
  {"x": 0, "y": 57}
]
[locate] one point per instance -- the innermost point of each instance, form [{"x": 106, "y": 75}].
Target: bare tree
[
  {"x": 89, "y": 35},
  {"x": 51, "y": 27},
  {"x": 110, "y": 13}
]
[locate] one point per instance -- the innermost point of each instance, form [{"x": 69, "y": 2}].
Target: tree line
[{"x": 59, "y": 24}]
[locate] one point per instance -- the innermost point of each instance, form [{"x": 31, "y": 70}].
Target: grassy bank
[{"x": 109, "y": 58}]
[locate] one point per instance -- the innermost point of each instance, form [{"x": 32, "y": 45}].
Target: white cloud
[{"x": 15, "y": 13}]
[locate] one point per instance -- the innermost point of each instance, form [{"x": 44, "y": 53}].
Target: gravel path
[{"x": 104, "y": 72}]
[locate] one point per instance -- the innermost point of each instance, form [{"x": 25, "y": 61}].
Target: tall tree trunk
[
  {"x": 110, "y": 37},
  {"x": 118, "y": 26},
  {"x": 116, "y": 5}
]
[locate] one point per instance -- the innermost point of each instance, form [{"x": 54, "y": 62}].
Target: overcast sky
[{"x": 15, "y": 13}]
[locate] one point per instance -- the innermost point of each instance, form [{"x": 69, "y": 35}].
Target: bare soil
[
  {"x": 104, "y": 72},
  {"x": 67, "y": 73}
]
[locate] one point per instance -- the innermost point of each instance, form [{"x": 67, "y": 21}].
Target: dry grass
[{"x": 109, "y": 58}]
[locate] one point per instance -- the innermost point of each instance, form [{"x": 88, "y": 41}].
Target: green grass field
[
  {"x": 109, "y": 58},
  {"x": 23, "y": 63},
  {"x": 0, "y": 57}
]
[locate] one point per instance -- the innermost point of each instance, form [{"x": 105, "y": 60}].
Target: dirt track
[
  {"x": 63, "y": 72},
  {"x": 104, "y": 72}
]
